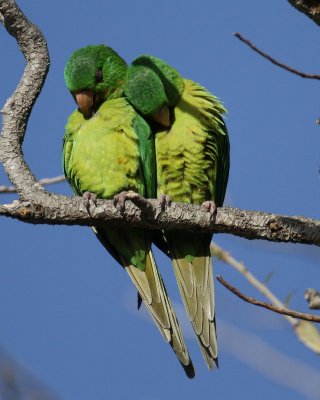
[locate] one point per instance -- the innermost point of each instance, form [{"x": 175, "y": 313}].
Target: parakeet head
[{"x": 94, "y": 74}]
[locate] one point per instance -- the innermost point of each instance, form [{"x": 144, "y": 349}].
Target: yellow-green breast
[
  {"x": 101, "y": 155},
  {"x": 187, "y": 155}
]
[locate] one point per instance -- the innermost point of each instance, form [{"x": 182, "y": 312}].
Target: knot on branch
[
  {"x": 274, "y": 226},
  {"x": 26, "y": 210}
]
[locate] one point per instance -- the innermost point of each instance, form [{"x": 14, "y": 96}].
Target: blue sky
[{"x": 67, "y": 311}]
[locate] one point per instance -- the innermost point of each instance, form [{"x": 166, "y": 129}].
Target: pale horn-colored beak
[
  {"x": 163, "y": 117},
  {"x": 85, "y": 100}
]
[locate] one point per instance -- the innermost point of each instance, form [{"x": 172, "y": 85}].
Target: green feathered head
[{"x": 94, "y": 74}]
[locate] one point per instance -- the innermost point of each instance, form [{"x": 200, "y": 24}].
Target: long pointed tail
[
  {"x": 195, "y": 281},
  {"x": 149, "y": 284},
  {"x": 152, "y": 290}
]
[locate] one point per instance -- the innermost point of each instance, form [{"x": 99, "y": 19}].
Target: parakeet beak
[
  {"x": 85, "y": 101},
  {"x": 163, "y": 117}
]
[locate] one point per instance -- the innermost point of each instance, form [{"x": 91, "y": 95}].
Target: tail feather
[
  {"x": 153, "y": 293},
  {"x": 195, "y": 281},
  {"x": 151, "y": 289}
]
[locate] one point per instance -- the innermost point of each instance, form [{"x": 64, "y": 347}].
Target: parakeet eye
[{"x": 99, "y": 76}]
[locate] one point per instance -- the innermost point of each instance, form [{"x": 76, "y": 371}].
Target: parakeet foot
[
  {"x": 210, "y": 206},
  {"x": 89, "y": 200},
  {"x": 164, "y": 201},
  {"x": 119, "y": 200}
]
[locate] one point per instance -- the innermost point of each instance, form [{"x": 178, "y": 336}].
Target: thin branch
[
  {"x": 306, "y": 331},
  {"x": 223, "y": 255},
  {"x": 274, "y": 61},
  {"x": 283, "y": 311},
  {"x": 43, "y": 181},
  {"x": 311, "y": 8}
]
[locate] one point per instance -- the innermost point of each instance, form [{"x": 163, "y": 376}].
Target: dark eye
[{"x": 99, "y": 76}]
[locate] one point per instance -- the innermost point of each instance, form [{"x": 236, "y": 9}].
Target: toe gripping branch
[{"x": 120, "y": 199}]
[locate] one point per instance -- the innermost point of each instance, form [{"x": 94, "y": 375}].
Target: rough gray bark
[
  {"x": 39, "y": 206},
  {"x": 311, "y": 8},
  {"x": 248, "y": 224},
  {"x": 18, "y": 107}
]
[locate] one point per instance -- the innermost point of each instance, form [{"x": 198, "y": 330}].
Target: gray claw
[
  {"x": 119, "y": 199},
  {"x": 210, "y": 206},
  {"x": 89, "y": 200}
]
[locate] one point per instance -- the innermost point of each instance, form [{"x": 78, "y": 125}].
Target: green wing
[
  {"x": 147, "y": 155},
  {"x": 74, "y": 124}
]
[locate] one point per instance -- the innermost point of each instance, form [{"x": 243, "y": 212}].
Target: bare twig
[
  {"x": 283, "y": 311},
  {"x": 223, "y": 255},
  {"x": 313, "y": 298},
  {"x": 274, "y": 61},
  {"x": 44, "y": 181},
  {"x": 306, "y": 331}
]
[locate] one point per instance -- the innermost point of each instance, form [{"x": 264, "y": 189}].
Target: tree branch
[
  {"x": 54, "y": 209},
  {"x": 311, "y": 8},
  {"x": 306, "y": 331},
  {"x": 273, "y": 60},
  {"x": 18, "y": 107},
  {"x": 45, "y": 181},
  {"x": 283, "y": 311},
  {"x": 223, "y": 255},
  {"x": 39, "y": 206}
]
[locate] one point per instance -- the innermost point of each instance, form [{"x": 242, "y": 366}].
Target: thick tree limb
[
  {"x": 283, "y": 311},
  {"x": 54, "y": 209},
  {"x": 18, "y": 107},
  {"x": 273, "y": 60},
  {"x": 311, "y": 8}
]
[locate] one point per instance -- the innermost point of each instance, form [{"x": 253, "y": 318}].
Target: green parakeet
[
  {"x": 192, "y": 153},
  {"x": 109, "y": 148},
  {"x": 193, "y": 167}
]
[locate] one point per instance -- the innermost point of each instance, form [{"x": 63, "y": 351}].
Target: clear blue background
[{"x": 67, "y": 311}]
